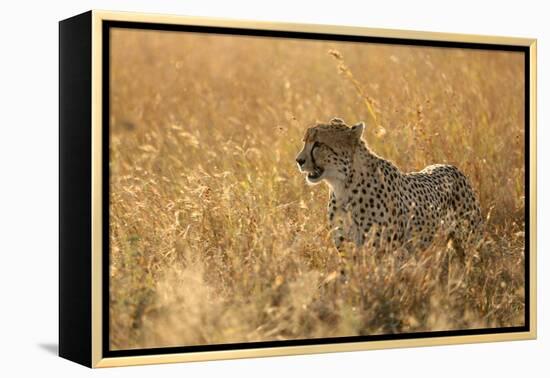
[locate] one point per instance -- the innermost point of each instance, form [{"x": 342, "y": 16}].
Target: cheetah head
[{"x": 327, "y": 151}]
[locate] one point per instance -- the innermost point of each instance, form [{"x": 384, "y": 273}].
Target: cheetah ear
[
  {"x": 337, "y": 121},
  {"x": 357, "y": 130}
]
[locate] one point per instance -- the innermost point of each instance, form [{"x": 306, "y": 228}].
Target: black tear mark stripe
[{"x": 315, "y": 145}]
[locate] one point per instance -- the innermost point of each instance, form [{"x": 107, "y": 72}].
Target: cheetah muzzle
[{"x": 316, "y": 174}]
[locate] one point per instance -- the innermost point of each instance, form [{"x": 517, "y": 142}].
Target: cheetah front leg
[
  {"x": 336, "y": 216},
  {"x": 336, "y": 221}
]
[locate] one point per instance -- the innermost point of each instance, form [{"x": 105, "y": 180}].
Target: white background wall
[{"x": 28, "y": 197}]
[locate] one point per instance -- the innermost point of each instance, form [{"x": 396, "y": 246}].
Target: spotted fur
[{"x": 371, "y": 199}]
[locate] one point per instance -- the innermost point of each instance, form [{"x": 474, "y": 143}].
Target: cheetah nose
[{"x": 300, "y": 161}]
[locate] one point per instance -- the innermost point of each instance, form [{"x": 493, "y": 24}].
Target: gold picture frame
[{"x": 82, "y": 186}]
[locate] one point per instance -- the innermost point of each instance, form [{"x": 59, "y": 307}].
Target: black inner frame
[{"x": 107, "y": 25}]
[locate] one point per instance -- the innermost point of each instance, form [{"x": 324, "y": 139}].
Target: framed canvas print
[{"x": 235, "y": 189}]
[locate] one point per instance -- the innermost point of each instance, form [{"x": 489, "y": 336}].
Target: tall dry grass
[{"x": 216, "y": 238}]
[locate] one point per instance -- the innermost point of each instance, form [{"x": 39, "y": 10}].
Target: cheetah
[{"x": 371, "y": 199}]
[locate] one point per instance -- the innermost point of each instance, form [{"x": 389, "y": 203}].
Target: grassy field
[{"x": 216, "y": 237}]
